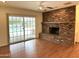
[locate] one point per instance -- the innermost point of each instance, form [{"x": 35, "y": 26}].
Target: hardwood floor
[{"x": 39, "y": 48}]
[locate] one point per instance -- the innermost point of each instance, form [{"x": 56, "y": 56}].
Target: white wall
[
  {"x": 3, "y": 21},
  {"x": 77, "y": 24}
]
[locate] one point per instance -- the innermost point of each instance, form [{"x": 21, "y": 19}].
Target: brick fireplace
[{"x": 58, "y": 26}]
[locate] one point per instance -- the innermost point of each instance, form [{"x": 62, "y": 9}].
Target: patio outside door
[{"x": 21, "y": 28}]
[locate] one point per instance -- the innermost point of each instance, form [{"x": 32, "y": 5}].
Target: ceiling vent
[
  {"x": 50, "y": 7},
  {"x": 67, "y": 3}
]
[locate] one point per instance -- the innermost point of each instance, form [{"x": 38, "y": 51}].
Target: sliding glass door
[
  {"x": 21, "y": 28},
  {"x": 29, "y": 23}
]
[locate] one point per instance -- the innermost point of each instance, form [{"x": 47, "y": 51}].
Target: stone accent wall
[
  {"x": 64, "y": 19},
  {"x": 60, "y": 15}
]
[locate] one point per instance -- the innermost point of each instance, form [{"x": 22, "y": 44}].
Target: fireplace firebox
[{"x": 54, "y": 30}]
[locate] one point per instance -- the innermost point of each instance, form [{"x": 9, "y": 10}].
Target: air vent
[
  {"x": 49, "y": 7},
  {"x": 67, "y": 3}
]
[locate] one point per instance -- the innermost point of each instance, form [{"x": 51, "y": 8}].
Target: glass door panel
[
  {"x": 29, "y": 27},
  {"x": 16, "y": 29}
]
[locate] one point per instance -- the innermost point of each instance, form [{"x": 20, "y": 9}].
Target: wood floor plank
[{"x": 39, "y": 49}]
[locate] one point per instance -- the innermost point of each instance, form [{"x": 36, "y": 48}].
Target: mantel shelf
[{"x": 57, "y": 22}]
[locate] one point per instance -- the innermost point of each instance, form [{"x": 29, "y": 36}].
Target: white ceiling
[{"x": 34, "y": 5}]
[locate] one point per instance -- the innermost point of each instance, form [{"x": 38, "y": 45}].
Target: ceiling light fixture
[{"x": 42, "y": 7}]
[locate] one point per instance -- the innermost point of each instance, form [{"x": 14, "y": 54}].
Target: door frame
[{"x": 20, "y": 15}]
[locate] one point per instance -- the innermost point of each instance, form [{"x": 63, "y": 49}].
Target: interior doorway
[{"x": 21, "y": 28}]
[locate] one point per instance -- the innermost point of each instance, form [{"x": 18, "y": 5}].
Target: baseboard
[
  {"x": 4, "y": 45},
  {"x": 17, "y": 42},
  {"x": 23, "y": 41}
]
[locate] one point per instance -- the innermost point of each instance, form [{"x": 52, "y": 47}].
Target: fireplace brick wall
[{"x": 64, "y": 19}]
